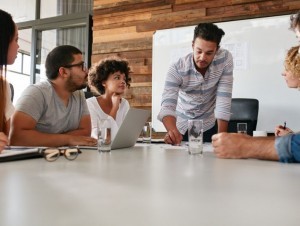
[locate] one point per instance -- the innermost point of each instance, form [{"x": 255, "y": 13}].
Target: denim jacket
[{"x": 288, "y": 148}]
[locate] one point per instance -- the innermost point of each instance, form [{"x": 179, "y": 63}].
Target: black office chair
[{"x": 243, "y": 110}]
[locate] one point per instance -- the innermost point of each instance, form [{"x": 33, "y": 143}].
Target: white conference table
[{"x": 149, "y": 185}]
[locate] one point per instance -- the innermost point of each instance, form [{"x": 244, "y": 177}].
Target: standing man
[
  {"x": 54, "y": 112},
  {"x": 198, "y": 86}
]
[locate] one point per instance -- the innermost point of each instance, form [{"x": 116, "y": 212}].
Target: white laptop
[{"x": 130, "y": 128}]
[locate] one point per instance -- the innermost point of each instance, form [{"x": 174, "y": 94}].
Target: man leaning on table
[
  {"x": 54, "y": 112},
  {"x": 198, "y": 86},
  {"x": 285, "y": 147}
]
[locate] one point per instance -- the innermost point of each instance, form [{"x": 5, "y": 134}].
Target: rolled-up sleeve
[
  {"x": 288, "y": 148},
  {"x": 170, "y": 93},
  {"x": 224, "y": 92}
]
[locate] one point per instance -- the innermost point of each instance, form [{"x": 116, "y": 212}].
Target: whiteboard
[{"x": 258, "y": 47}]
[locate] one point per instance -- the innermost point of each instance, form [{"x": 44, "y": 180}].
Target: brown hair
[{"x": 292, "y": 61}]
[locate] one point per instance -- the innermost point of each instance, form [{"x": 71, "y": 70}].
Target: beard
[{"x": 72, "y": 86}]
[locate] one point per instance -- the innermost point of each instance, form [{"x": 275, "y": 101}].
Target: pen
[{"x": 284, "y": 125}]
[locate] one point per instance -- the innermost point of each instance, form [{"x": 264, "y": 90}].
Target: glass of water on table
[
  {"x": 104, "y": 135},
  {"x": 195, "y": 134}
]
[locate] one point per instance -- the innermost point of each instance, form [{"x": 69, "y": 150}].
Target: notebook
[
  {"x": 130, "y": 128},
  {"x": 14, "y": 153}
]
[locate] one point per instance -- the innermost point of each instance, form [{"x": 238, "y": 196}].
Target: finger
[
  {"x": 171, "y": 137},
  {"x": 3, "y": 143},
  {"x": 215, "y": 137},
  {"x": 167, "y": 139},
  {"x": 4, "y": 139},
  {"x": 176, "y": 139}
]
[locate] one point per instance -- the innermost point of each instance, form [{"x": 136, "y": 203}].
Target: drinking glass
[
  {"x": 104, "y": 135},
  {"x": 195, "y": 134},
  {"x": 147, "y": 132}
]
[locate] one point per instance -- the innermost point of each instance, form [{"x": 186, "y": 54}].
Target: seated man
[
  {"x": 285, "y": 147},
  {"x": 54, "y": 112}
]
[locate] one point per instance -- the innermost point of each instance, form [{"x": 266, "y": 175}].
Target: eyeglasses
[
  {"x": 81, "y": 64},
  {"x": 52, "y": 154}
]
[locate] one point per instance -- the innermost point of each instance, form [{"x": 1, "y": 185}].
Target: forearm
[
  {"x": 35, "y": 138},
  {"x": 222, "y": 125},
  {"x": 80, "y": 132},
  {"x": 169, "y": 122},
  {"x": 7, "y": 127},
  {"x": 3, "y": 141},
  {"x": 84, "y": 128},
  {"x": 260, "y": 148}
]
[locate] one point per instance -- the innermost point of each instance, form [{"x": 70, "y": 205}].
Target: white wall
[{"x": 258, "y": 47}]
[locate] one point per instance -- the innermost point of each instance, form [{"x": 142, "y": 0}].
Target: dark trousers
[{"x": 206, "y": 135}]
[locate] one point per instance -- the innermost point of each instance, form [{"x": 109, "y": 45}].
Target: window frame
[{"x": 58, "y": 22}]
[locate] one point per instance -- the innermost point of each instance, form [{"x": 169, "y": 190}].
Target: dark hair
[
  {"x": 208, "y": 32},
  {"x": 7, "y": 33},
  {"x": 60, "y": 56},
  {"x": 100, "y": 71},
  {"x": 295, "y": 21}
]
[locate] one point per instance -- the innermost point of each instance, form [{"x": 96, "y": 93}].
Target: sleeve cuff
[
  {"x": 283, "y": 148},
  {"x": 164, "y": 113}
]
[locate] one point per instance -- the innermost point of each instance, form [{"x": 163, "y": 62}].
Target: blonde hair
[{"x": 292, "y": 61}]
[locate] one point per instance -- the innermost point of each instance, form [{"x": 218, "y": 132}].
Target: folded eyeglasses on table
[{"x": 51, "y": 154}]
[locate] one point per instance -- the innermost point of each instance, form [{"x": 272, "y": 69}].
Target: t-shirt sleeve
[
  {"x": 93, "y": 113},
  {"x": 85, "y": 109},
  {"x": 32, "y": 102}
]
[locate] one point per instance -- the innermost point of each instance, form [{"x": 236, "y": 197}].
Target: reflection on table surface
[{"x": 149, "y": 185}]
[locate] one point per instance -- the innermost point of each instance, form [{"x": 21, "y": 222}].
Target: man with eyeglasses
[{"x": 54, "y": 112}]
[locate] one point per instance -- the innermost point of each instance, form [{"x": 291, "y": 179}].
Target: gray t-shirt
[{"x": 41, "y": 102}]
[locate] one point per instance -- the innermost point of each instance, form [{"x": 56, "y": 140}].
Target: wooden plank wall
[{"x": 125, "y": 28}]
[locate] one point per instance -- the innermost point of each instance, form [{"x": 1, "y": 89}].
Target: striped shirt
[{"x": 189, "y": 95}]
